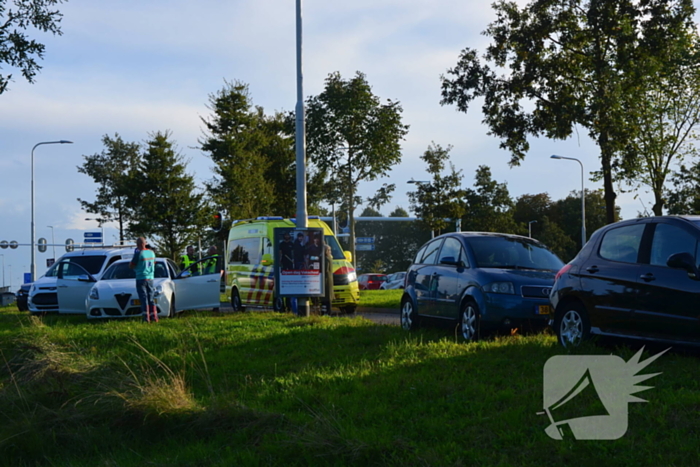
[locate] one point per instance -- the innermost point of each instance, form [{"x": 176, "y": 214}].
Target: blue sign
[
  {"x": 27, "y": 277},
  {"x": 364, "y": 240},
  {"x": 93, "y": 240},
  {"x": 92, "y": 235},
  {"x": 364, "y": 247}
]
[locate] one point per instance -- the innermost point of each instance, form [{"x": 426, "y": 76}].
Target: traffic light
[
  {"x": 218, "y": 222},
  {"x": 41, "y": 245}
]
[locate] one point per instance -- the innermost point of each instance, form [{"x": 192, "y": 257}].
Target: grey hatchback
[{"x": 480, "y": 280}]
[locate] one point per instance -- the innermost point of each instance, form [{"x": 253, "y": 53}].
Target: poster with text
[{"x": 299, "y": 262}]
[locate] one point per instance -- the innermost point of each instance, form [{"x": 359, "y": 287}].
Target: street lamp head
[
  {"x": 64, "y": 141},
  {"x": 554, "y": 156}
]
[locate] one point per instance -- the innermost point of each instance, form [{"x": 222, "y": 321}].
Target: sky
[{"x": 134, "y": 67}]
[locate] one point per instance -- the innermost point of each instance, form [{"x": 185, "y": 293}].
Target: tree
[
  {"x": 488, "y": 205},
  {"x": 684, "y": 198},
  {"x": 352, "y": 137},
  {"x": 568, "y": 63},
  {"x": 441, "y": 198},
  {"x": 566, "y": 213},
  {"x": 539, "y": 208},
  {"x": 16, "y": 48},
  {"x": 671, "y": 103},
  {"x": 166, "y": 205},
  {"x": 253, "y": 156},
  {"x": 110, "y": 170}
]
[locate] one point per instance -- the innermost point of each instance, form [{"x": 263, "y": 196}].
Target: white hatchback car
[
  {"x": 45, "y": 296},
  {"x": 115, "y": 296}
]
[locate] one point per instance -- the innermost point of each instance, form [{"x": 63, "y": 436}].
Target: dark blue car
[{"x": 480, "y": 281}]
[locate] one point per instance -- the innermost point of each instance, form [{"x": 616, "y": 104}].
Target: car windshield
[
  {"x": 119, "y": 271},
  {"x": 92, "y": 264},
  {"x": 335, "y": 248},
  {"x": 513, "y": 253}
]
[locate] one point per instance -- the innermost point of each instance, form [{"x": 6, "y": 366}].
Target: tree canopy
[
  {"x": 556, "y": 64},
  {"x": 352, "y": 137},
  {"x": 17, "y": 49}
]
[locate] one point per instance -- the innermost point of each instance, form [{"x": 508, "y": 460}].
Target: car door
[
  {"x": 448, "y": 278},
  {"x": 425, "y": 274},
  {"x": 609, "y": 278},
  {"x": 73, "y": 285},
  {"x": 196, "y": 291},
  {"x": 669, "y": 300}
]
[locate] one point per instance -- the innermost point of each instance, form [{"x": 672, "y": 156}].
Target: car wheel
[
  {"x": 236, "y": 301},
  {"x": 278, "y": 305},
  {"x": 469, "y": 322},
  {"x": 409, "y": 317},
  {"x": 572, "y": 325},
  {"x": 171, "y": 313}
]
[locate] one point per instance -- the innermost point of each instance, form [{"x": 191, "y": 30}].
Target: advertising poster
[{"x": 299, "y": 262}]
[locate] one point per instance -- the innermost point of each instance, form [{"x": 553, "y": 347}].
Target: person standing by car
[
  {"x": 211, "y": 266},
  {"x": 143, "y": 263},
  {"x": 188, "y": 259}
]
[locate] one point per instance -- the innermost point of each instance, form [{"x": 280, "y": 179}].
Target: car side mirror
[
  {"x": 684, "y": 261},
  {"x": 348, "y": 256},
  {"x": 267, "y": 259},
  {"x": 86, "y": 278},
  {"x": 185, "y": 274}
]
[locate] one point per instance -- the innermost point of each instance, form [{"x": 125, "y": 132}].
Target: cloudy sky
[{"x": 134, "y": 67}]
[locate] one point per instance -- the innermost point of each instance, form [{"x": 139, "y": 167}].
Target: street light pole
[
  {"x": 583, "y": 198},
  {"x": 3, "y": 271},
  {"x": 53, "y": 241},
  {"x": 33, "y": 235},
  {"x": 529, "y": 228}
]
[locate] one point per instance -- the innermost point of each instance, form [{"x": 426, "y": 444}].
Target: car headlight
[
  {"x": 500, "y": 287},
  {"x": 352, "y": 277},
  {"x": 94, "y": 294},
  {"x": 158, "y": 291}
]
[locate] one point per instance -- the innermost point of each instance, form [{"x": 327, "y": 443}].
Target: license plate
[
  {"x": 544, "y": 310},
  {"x": 135, "y": 302}
]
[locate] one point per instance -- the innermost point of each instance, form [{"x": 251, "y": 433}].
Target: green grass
[
  {"x": 272, "y": 389},
  {"x": 381, "y": 298}
]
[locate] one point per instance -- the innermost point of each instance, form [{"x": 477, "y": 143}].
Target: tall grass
[{"x": 274, "y": 389}]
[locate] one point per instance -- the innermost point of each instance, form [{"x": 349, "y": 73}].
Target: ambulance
[{"x": 249, "y": 266}]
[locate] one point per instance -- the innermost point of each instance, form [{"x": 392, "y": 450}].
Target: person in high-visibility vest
[
  {"x": 211, "y": 266},
  {"x": 188, "y": 259}
]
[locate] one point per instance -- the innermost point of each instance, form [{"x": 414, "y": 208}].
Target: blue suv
[{"x": 480, "y": 281}]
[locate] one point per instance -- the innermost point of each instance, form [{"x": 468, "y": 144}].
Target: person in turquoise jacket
[{"x": 144, "y": 263}]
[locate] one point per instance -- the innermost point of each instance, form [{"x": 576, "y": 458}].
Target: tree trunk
[{"x": 605, "y": 158}]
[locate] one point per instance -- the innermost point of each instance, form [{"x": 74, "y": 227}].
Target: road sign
[
  {"x": 93, "y": 240},
  {"x": 92, "y": 235},
  {"x": 364, "y": 247},
  {"x": 50, "y": 261},
  {"x": 364, "y": 240}
]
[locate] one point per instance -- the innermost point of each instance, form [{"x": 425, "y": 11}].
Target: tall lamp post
[
  {"x": 53, "y": 241},
  {"x": 33, "y": 244},
  {"x": 583, "y": 198},
  {"x": 99, "y": 224},
  {"x": 3, "y": 270},
  {"x": 529, "y": 228},
  {"x": 420, "y": 182}
]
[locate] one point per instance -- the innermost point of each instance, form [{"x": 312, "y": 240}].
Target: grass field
[{"x": 262, "y": 388}]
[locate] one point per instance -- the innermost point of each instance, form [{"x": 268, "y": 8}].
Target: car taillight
[{"x": 562, "y": 271}]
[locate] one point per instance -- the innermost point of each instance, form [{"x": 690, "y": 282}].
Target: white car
[
  {"x": 115, "y": 296},
  {"x": 44, "y": 295},
  {"x": 393, "y": 281}
]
